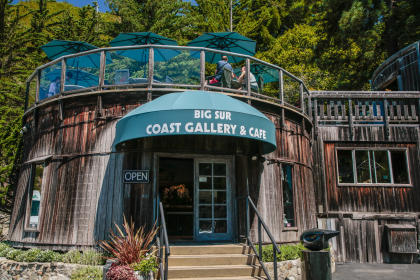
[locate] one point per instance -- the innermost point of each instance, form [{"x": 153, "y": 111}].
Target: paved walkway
[{"x": 377, "y": 271}]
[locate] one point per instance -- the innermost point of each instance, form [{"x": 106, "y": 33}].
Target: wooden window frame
[
  {"x": 295, "y": 217},
  {"x": 370, "y": 149},
  {"x": 31, "y": 182}
]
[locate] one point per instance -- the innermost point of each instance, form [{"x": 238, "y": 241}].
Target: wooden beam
[
  {"x": 281, "y": 87},
  {"x": 386, "y": 121},
  {"x": 102, "y": 70},
  {"x": 202, "y": 70},
  {"x": 63, "y": 75},
  {"x": 351, "y": 119},
  {"x": 150, "y": 76}
]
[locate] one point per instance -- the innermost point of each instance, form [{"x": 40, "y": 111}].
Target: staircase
[{"x": 212, "y": 262}]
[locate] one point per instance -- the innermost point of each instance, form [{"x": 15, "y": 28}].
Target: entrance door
[{"x": 212, "y": 200}]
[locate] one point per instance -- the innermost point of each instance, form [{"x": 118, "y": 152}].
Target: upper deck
[{"x": 155, "y": 70}]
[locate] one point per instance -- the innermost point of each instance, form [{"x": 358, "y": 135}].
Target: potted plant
[{"x": 131, "y": 253}]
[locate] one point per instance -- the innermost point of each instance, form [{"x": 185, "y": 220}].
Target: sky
[{"x": 103, "y": 5}]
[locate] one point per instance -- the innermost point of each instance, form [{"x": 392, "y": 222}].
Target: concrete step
[
  {"x": 210, "y": 259},
  {"x": 197, "y": 272},
  {"x": 208, "y": 249}
]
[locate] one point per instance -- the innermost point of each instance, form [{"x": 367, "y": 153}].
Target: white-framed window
[
  {"x": 372, "y": 167},
  {"x": 33, "y": 209}
]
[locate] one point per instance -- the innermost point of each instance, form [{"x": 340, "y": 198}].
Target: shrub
[
  {"x": 3, "y": 248},
  {"x": 146, "y": 265},
  {"x": 72, "y": 256},
  {"x": 90, "y": 272},
  {"x": 129, "y": 246},
  {"x": 13, "y": 254},
  {"x": 30, "y": 255},
  {"x": 92, "y": 257},
  {"x": 287, "y": 252},
  {"x": 49, "y": 256},
  {"x": 120, "y": 272}
]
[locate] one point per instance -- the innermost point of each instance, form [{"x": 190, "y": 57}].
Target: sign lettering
[{"x": 136, "y": 176}]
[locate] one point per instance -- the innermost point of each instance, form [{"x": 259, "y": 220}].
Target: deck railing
[
  {"x": 374, "y": 108},
  {"x": 157, "y": 68}
]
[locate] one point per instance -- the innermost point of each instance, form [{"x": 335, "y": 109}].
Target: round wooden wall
[{"x": 82, "y": 190}]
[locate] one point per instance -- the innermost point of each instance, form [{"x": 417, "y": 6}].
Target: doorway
[
  {"x": 176, "y": 190},
  {"x": 196, "y": 197}
]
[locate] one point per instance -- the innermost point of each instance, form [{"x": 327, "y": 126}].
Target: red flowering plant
[{"x": 127, "y": 247}]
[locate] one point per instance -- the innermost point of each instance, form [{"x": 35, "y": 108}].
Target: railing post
[
  {"x": 63, "y": 75},
  {"x": 150, "y": 77},
  {"x": 247, "y": 219},
  {"x": 350, "y": 118},
  {"x": 275, "y": 262},
  {"x": 28, "y": 85},
  {"x": 386, "y": 121},
  {"x": 281, "y": 87},
  {"x": 102, "y": 66},
  {"x": 302, "y": 100},
  {"x": 38, "y": 85},
  {"x": 202, "y": 69},
  {"x": 315, "y": 119},
  {"x": 259, "y": 239},
  {"x": 248, "y": 75}
]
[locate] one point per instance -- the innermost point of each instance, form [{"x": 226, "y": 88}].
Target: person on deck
[
  {"x": 242, "y": 80},
  {"x": 54, "y": 87},
  {"x": 222, "y": 64}
]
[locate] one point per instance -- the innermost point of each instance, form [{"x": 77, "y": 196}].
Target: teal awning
[{"x": 197, "y": 113}]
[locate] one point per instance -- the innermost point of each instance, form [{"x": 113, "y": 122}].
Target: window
[
  {"x": 288, "y": 204},
  {"x": 34, "y": 199},
  {"x": 373, "y": 167}
]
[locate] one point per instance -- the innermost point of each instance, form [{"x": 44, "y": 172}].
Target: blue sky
[{"x": 103, "y": 5}]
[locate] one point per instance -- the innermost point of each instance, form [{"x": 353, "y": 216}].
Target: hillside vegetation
[{"x": 330, "y": 44}]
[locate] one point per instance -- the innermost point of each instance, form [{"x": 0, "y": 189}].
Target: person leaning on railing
[
  {"x": 54, "y": 87},
  {"x": 242, "y": 80}
]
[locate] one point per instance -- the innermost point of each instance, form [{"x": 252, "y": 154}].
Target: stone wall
[
  {"x": 292, "y": 270},
  {"x": 36, "y": 271}
]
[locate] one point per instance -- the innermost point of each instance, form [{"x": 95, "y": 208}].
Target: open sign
[{"x": 136, "y": 176}]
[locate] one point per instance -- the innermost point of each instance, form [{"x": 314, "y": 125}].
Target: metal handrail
[
  {"x": 261, "y": 224},
  {"x": 163, "y": 241}
]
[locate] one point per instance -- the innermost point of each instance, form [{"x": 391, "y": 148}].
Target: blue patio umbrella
[
  {"x": 225, "y": 41},
  {"x": 144, "y": 38},
  {"x": 58, "y": 48},
  {"x": 267, "y": 73}
]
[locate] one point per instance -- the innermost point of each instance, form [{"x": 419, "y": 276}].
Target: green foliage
[
  {"x": 146, "y": 265},
  {"x": 90, "y": 272},
  {"x": 287, "y": 252},
  {"x": 4, "y": 249}
]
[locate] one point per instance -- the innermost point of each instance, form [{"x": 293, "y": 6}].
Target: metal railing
[
  {"x": 94, "y": 72},
  {"x": 163, "y": 245},
  {"x": 260, "y": 225}
]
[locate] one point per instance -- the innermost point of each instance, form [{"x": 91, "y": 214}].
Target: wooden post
[
  {"x": 28, "y": 85},
  {"x": 38, "y": 86},
  {"x": 386, "y": 121},
  {"x": 248, "y": 81},
  {"x": 281, "y": 87},
  {"x": 315, "y": 118},
  {"x": 63, "y": 75},
  {"x": 316, "y": 265},
  {"x": 302, "y": 100},
  {"x": 150, "y": 77},
  {"x": 202, "y": 70},
  {"x": 351, "y": 119},
  {"x": 102, "y": 70}
]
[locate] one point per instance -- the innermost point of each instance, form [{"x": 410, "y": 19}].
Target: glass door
[{"x": 212, "y": 200}]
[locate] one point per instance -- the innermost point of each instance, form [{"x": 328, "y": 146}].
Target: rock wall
[{"x": 11, "y": 270}]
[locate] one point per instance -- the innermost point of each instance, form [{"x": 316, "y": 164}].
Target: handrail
[
  {"x": 163, "y": 241},
  {"x": 276, "y": 249}
]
